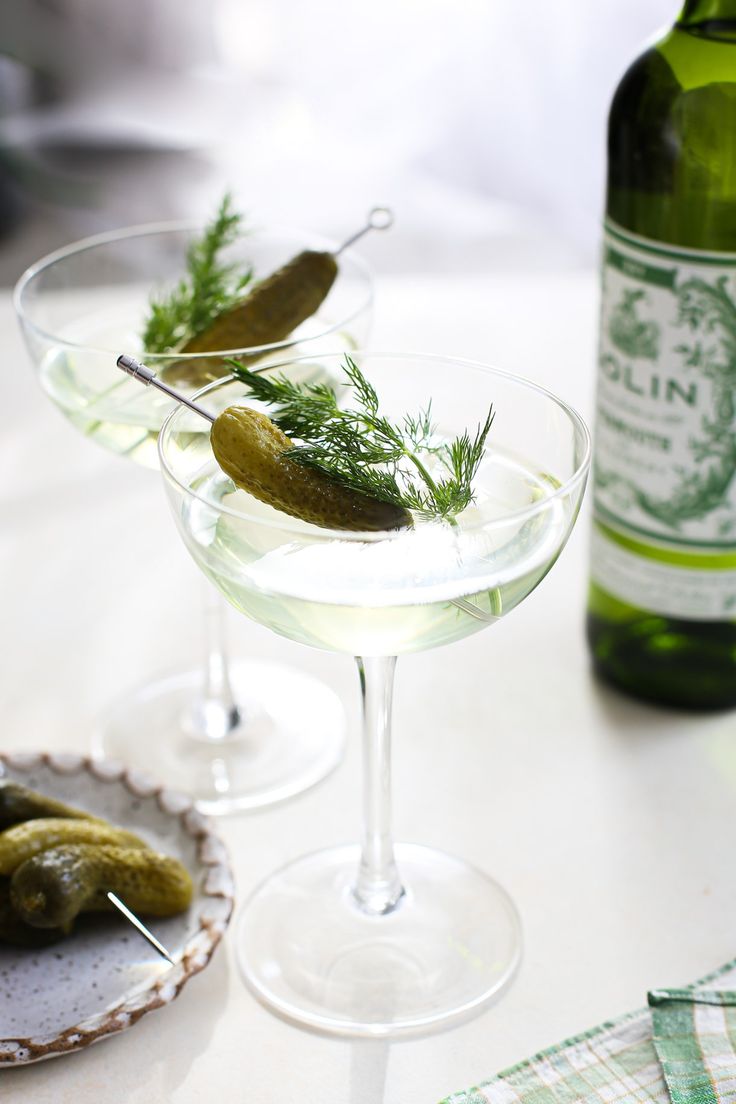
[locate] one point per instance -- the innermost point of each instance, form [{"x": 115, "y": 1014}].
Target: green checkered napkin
[{"x": 681, "y": 1049}]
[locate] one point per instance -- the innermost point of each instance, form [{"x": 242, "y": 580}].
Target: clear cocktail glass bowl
[
  {"x": 235, "y": 737},
  {"x": 375, "y": 939}
]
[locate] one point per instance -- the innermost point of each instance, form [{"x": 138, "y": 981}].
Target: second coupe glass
[{"x": 234, "y": 738}]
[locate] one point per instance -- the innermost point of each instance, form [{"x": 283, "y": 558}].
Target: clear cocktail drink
[{"x": 380, "y": 940}]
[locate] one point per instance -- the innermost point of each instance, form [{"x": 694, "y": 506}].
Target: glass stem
[
  {"x": 378, "y": 888},
  {"x": 216, "y": 716}
]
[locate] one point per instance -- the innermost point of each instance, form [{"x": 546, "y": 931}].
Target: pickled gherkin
[
  {"x": 52, "y": 888},
  {"x": 274, "y": 308},
  {"x": 19, "y": 803},
  {"x": 268, "y": 314},
  {"x": 23, "y": 841},
  {"x": 253, "y": 451},
  {"x": 66, "y": 861},
  {"x": 14, "y": 931}
]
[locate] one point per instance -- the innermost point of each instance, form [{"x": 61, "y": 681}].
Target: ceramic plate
[{"x": 103, "y": 978}]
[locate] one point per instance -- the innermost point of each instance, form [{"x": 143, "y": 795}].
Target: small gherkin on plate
[
  {"x": 19, "y": 803},
  {"x": 52, "y": 888},
  {"x": 23, "y": 841}
]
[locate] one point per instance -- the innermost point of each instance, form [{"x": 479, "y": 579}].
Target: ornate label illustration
[
  {"x": 666, "y": 421},
  {"x": 631, "y": 335},
  {"x": 665, "y": 455}
]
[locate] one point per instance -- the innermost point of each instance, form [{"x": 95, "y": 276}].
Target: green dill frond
[
  {"x": 365, "y": 451},
  {"x": 209, "y": 288}
]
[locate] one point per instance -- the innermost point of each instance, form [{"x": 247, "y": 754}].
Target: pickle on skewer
[
  {"x": 252, "y": 450},
  {"x": 274, "y": 308},
  {"x": 268, "y": 314}
]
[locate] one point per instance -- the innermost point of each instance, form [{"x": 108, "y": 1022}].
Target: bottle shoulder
[
  {"x": 678, "y": 67},
  {"x": 672, "y": 143}
]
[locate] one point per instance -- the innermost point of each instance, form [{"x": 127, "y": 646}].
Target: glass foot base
[
  {"x": 291, "y": 736},
  {"x": 309, "y": 953}
]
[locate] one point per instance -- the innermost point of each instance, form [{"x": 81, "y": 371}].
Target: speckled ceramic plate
[{"x": 103, "y": 978}]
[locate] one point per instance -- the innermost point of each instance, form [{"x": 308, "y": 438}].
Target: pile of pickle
[{"x": 57, "y": 862}]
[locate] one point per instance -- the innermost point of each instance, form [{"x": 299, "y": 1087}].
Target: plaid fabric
[
  {"x": 681, "y": 1049},
  {"x": 694, "y": 1032}
]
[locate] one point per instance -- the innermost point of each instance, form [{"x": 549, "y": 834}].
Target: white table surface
[{"x": 610, "y": 823}]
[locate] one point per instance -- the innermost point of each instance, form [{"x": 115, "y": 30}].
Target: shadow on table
[
  {"x": 368, "y": 1069},
  {"x": 635, "y": 725},
  {"x": 634, "y": 719}
]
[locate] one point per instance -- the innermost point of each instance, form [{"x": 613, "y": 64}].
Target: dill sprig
[
  {"x": 366, "y": 452},
  {"x": 209, "y": 287}
]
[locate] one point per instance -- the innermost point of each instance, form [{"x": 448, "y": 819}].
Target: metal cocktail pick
[
  {"x": 147, "y": 376},
  {"x": 131, "y": 916},
  {"x": 379, "y": 218}
]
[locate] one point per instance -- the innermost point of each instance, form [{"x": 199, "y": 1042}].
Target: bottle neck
[{"x": 699, "y": 13}]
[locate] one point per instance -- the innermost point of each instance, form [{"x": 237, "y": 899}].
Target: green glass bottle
[{"x": 662, "y": 608}]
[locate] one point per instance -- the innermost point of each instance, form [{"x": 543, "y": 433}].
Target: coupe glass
[
  {"x": 380, "y": 939},
  {"x": 234, "y": 738}
]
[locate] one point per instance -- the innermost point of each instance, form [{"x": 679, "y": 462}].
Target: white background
[{"x": 482, "y": 122}]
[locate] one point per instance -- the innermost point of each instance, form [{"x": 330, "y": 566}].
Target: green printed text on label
[{"x": 665, "y": 453}]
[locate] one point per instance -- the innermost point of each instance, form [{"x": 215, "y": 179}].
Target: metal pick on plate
[{"x": 141, "y": 927}]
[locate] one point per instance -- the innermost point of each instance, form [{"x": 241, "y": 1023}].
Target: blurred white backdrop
[{"x": 481, "y": 122}]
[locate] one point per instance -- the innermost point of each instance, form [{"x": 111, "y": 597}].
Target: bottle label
[{"x": 665, "y": 457}]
